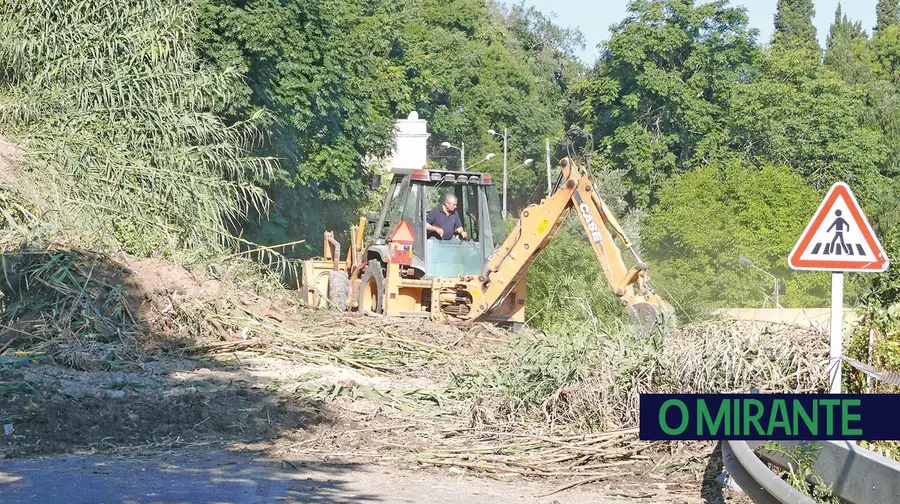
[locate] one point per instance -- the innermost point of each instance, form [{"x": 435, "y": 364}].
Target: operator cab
[{"x": 414, "y": 193}]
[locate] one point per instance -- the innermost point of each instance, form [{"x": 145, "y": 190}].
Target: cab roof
[{"x": 446, "y": 176}]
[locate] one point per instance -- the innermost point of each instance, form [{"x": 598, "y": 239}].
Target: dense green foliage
[
  {"x": 566, "y": 284},
  {"x": 793, "y": 24},
  {"x": 753, "y": 211},
  {"x": 797, "y": 113},
  {"x": 657, "y": 98},
  {"x": 335, "y": 74},
  {"x": 887, "y": 13},
  {"x": 730, "y": 145},
  {"x": 122, "y": 124}
]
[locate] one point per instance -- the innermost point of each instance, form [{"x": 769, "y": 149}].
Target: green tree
[
  {"x": 847, "y": 49},
  {"x": 657, "y": 97},
  {"x": 797, "y": 113},
  {"x": 851, "y": 55},
  {"x": 886, "y": 46},
  {"x": 887, "y": 13},
  {"x": 331, "y": 72},
  {"x": 335, "y": 74},
  {"x": 886, "y": 42},
  {"x": 793, "y": 24},
  {"x": 707, "y": 218}
]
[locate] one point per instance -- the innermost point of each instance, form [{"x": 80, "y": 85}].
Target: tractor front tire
[
  {"x": 371, "y": 289},
  {"x": 338, "y": 290}
]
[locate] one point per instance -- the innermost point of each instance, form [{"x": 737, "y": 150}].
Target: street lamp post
[
  {"x": 489, "y": 156},
  {"x": 462, "y": 152},
  {"x": 505, "y": 136},
  {"x": 527, "y": 162},
  {"x": 749, "y": 263}
]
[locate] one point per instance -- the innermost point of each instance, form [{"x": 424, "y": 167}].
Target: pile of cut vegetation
[
  {"x": 90, "y": 310},
  {"x": 594, "y": 379},
  {"x": 567, "y": 404}
]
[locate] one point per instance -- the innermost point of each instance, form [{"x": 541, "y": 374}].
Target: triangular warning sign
[
  {"x": 839, "y": 238},
  {"x": 403, "y": 234}
]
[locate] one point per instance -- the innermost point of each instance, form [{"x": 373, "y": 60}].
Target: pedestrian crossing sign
[{"x": 839, "y": 238}]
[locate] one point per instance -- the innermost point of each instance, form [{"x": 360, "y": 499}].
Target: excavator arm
[{"x": 538, "y": 225}]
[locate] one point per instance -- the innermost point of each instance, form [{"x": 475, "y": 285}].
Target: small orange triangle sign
[
  {"x": 403, "y": 234},
  {"x": 839, "y": 237}
]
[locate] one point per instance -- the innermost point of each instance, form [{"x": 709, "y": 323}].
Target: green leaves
[
  {"x": 662, "y": 85},
  {"x": 797, "y": 114},
  {"x": 335, "y": 74},
  {"x": 707, "y": 218},
  {"x": 698, "y": 116},
  {"x": 121, "y": 122},
  {"x": 793, "y": 24}
]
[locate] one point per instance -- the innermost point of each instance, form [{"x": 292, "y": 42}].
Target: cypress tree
[
  {"x": 842, "y": 29},
  {"x": 793, "y": 23},
  {"x": 838, "y": 29},
  {"x": 845, "y": 48},
  {"x": 888, "y": 13}
]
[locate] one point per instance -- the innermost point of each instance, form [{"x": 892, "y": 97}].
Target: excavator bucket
[
  {"x": 646, "y": 318},
  {"x": 650, "y": 320}
]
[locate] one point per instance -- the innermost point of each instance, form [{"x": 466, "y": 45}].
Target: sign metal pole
[{"x": 837, "y": 329}]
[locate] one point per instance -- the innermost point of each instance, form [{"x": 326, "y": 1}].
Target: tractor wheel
[
  {"x": 371, "y": 289},
  {"x": 338, "y": 290}
]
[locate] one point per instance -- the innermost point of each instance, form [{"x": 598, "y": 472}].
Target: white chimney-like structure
[{"x": 410, "y": 142}]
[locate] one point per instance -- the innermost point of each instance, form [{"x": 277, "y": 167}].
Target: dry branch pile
[
  {"x": 91, "y": 310},
  {"x": 595, "y": 455},
  {"x": 603, "y": 390},
  {"x": 733, "y": 356}
]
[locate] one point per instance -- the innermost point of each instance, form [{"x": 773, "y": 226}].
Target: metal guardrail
[
  {"x": 755, "y": 479},
  {"x": 856, "y": 475}
]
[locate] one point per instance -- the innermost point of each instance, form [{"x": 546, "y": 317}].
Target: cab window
[{"x": 393, "y": 209}]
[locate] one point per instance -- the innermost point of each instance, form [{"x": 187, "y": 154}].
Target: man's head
[{"x": 449, "y": 203}]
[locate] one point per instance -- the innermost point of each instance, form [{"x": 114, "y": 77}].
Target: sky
[{"x": 594, "y": 17}]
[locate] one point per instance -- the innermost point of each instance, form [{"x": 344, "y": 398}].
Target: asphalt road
[{"x": 223, "y": 477}]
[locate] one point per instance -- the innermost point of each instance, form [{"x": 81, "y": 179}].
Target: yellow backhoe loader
[{"x": 396, "y": 269}]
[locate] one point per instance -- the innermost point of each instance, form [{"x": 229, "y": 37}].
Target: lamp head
[
  {"x": 489, "y": 156},
  {"x": 745, "y": 260},
  {"x": 446, "y": 144},
  {"x": 528, "y": 162},
  {"x": 492, "y": 132}
]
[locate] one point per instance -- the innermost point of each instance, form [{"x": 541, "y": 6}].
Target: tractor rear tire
[
  {"x": 371, "y": 289},
  {"x": 338, "y": 290}
]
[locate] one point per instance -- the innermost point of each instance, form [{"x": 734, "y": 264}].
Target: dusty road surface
[{"x": 224, "y": 477}]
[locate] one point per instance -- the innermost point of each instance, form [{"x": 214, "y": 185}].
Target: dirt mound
[{"x": 156, "y": 275}]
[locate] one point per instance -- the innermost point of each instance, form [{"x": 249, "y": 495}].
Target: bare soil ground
[{"x": 369, "y": 392}]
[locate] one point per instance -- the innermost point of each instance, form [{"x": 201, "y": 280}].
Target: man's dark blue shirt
[{"x": 449, "y": 223}]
